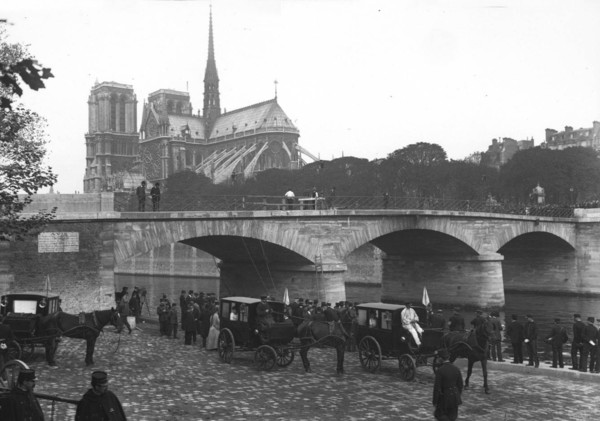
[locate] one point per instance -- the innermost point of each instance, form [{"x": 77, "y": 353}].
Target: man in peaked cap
[
  {"x": 99, "y": 403},
  {"x": 22, "y": 403},
  {"x": 577, "y": 343},
  {"x": 514, "y": 331}
]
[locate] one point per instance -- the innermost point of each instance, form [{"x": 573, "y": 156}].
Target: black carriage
[
  {"x": 380, "y": 336},
  {"x": 21, "y": 312},
  {"x": 240, "y": 332}
]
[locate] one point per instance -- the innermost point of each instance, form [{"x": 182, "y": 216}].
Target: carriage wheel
[
  {"x": 13, "y": 351},
  {"x": 10, "y": 373},
  {"x": 369, "y": 353},
  {"x": 226, "y": 344},
  {"x": 265, "y": 357},
  {"x": 437, "y": 362},
  {"x": 27, "y": 351},
  {"x": 407, "y": 367},
  {"x": 285, "y": 356}
]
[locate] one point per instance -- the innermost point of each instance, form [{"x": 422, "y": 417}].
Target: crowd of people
[{"x": 196, "y": 314}]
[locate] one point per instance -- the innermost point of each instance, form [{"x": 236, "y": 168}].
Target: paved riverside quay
[{"x": 161, "y": 379}]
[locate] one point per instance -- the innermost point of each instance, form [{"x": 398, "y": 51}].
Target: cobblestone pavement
[{"x": 161, "y": 379}]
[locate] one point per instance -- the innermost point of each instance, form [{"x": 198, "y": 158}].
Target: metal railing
[
  {"x": 57, "y": 409},
  {"x": 125, "y": 202}
]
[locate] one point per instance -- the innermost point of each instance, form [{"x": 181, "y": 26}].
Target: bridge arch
[{"x": 134, "y": 239}]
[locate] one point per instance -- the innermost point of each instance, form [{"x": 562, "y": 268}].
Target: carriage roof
[{"x": 30, "y": 295}]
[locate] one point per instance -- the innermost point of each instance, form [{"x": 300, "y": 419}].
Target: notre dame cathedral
[{"x": 171, "y": 138}]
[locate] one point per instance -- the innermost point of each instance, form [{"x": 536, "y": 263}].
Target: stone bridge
[{"x": 462, "y": 258}]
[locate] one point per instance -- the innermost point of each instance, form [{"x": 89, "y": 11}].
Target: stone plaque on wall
[{"x": 58, "y": 242}]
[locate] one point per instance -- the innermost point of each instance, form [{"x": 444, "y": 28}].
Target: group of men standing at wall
[{"x": 195, "y": 310}]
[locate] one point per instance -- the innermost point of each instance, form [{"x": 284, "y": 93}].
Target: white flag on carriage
[
  {"x": 425, "y": 297},
  {"x": 286, "y": 297}
]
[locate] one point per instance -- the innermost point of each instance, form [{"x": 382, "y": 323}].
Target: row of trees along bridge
[{"x": 419, "y": 175}]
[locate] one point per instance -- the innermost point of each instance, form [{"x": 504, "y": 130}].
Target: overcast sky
[{"x": 359, "y": 78}]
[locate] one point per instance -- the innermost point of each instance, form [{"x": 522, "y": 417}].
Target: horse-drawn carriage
[
  {"x": 380, "y": 336},
  {"x": 21, "y": 313},
  {"x": 240, "y": 332}
]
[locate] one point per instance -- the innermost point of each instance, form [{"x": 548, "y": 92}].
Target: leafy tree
[
  {"x": 556, "y": 170},
  {"x": 22, "y": 145}
]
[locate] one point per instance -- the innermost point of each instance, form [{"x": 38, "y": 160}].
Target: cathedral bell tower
[{"x": 212, "y": 104}]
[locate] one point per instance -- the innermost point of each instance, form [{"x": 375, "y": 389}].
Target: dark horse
[
  {"x": 471, "y": 345},
  {"x": 321, "y": 332},
  {"x": 85, "y": 326}
]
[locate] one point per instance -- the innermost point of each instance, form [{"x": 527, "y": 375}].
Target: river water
[{"x": 543, "y": 308}]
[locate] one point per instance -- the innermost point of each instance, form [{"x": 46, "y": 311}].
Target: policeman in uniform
[
  {"x": 99, "y": 403},
  {"x": 577, "y": 344},
  {"x": 21, "y": 404},
  {"x": 447, "y": 389},
  {"x": 530, "y": 334},
  {"x": 556, "y": 338},
  {"x": 514, "y": 331}
]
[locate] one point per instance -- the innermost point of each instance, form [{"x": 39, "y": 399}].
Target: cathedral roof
[
  {"x": 267, "y": 114},
  {"x": 178, "y": 122}
]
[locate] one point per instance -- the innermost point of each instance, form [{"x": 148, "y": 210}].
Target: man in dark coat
[
  {"x": 456, "y": 322},
  {"x": 478, "y": 320},
  {"x": 447, "y": 389},
  {"x": 577, "y": 343},
  {"x": 330, "y": 314},
  {"x": 557, "y": 337},
  {"x": 530, "y": 334},
  {"x": 514, "y": 331},
  {"x": 155, "y": 195},
  {"x": 188, "y": 323},
  {"x": 163, "y": 318},
  {"x": 99, "y": 403},
  {"x": 140, "y": 192},
  {"x": 437, "y": 320},
  {"x": 23, "y": 404},
  {"x": 264, "y": 316},
  {"x": 496, "y": 338},
  {"x": 589, "y": 343}
]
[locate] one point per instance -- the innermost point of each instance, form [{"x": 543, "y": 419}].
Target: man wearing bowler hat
[
  {"x": 99, "y": 403},
  {"x": 23, "y": 405}
]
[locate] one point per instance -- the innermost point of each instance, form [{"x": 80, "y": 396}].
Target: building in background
[
  {"x": 112, "y": 140},
  {"x": 221, "y": 145},
  {"x": 586, "y": 138},
  {"x": 500, "y": 152}
]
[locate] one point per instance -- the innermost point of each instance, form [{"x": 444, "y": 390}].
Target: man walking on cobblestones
[
  {"x": 447, "y": 390},
  {"x": 577, "y": 345}
]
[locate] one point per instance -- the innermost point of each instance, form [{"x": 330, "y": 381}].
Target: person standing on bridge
[
  {"x": 155, "y": 195},
  {"x": 140, "y": 192},
  {"x": 289, "y": 199}
]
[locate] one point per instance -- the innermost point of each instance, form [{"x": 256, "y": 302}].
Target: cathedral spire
[{"x": 212, "y": 106}]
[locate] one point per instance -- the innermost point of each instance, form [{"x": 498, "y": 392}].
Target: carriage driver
[
  {"x": 410, "y": 322},
  {"x": 264, "y": 316}
]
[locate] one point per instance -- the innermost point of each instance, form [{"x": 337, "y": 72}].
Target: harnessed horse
[
  {"x": 85, "y": 326},
  {"x": 324, "y": 333},
  {"x": 471, "y": 345}
]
